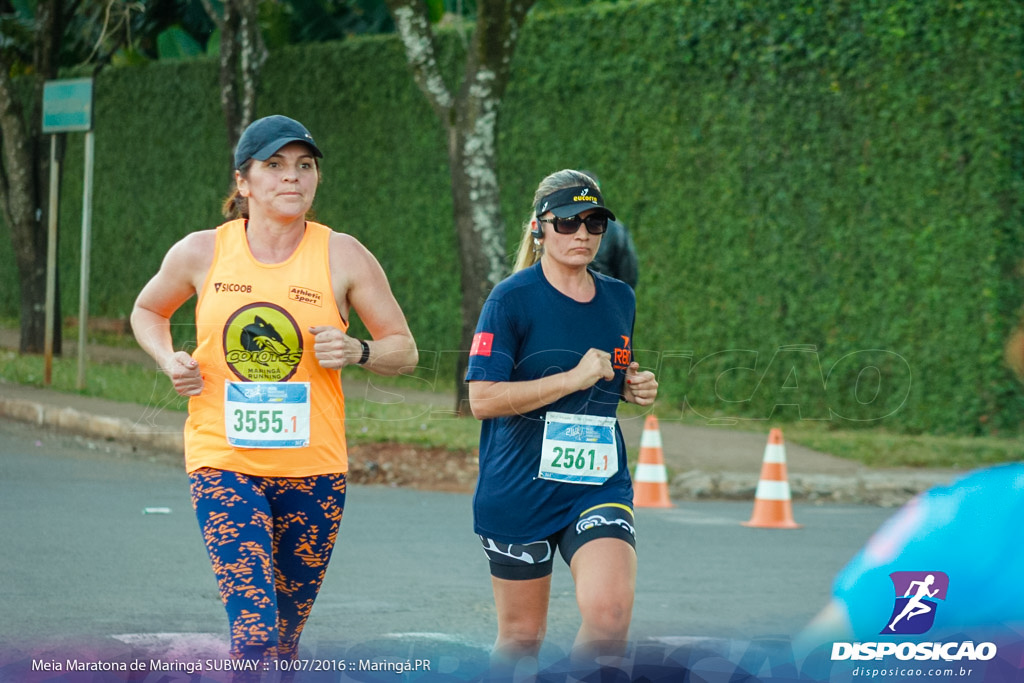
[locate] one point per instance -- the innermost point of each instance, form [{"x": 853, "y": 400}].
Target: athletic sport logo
[
  {"x": 916, "y": 596},
  {"x": 305, "y": 296},
  {"x": 262, "y": 343},
  {"x": 482, "y": 342}
]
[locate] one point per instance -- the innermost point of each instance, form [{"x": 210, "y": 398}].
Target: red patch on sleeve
[{"x": 482, "y": 342}]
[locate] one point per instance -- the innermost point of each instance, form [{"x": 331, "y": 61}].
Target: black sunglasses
[{"x": 596, "y": 224}]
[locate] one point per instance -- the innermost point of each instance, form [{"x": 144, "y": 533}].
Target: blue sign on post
[{"x": 67, "y": 106}]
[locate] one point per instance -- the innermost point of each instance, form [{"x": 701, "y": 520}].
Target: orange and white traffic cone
[
  {"x": 650, "y": 481},
  {"x": 773, "y": 508}
]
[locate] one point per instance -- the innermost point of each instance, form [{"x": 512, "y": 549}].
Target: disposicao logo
[
  {"x": 917, "y": 600},
  {"x": 917, "y": 594}
]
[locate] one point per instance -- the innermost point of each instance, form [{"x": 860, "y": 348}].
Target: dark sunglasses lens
[
  {"x": 596, "y": 225},
  {"x": 567, "y": 226}
]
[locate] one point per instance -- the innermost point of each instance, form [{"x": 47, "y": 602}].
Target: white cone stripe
[
  {"x": 651, "y": 473},
  {"x": 651, "y": 438},
  {"x": 772, "y": 490},
  {"x": 775, "y": 453}
]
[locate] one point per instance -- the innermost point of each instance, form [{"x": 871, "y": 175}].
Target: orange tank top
[{"x": 267, "y": 407}]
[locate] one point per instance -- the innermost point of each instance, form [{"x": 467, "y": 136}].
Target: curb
[
  {"x": 883, "y": 489},
  {"x": 98, "y": 427}
]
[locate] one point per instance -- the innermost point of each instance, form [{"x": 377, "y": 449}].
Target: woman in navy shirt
[{"x": 551, "y": 359}]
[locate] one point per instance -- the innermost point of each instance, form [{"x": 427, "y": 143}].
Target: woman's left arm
[
  {"x": 361, "y": 285},
  {"x": 640, "y": 388}
]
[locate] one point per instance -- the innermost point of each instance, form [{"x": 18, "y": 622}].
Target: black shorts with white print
[{"x": 534, "y": 560}]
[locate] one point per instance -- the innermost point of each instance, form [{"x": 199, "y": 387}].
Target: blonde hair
[{"x": 529, "y": 252}]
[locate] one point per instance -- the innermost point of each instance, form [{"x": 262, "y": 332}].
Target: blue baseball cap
[{"x": 263, "y": 137}]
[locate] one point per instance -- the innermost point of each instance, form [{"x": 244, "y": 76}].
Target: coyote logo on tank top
[{"x": 262, "y": 343}]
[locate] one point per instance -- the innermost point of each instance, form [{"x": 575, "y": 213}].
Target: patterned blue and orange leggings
[{"x": 269, "y": 540}]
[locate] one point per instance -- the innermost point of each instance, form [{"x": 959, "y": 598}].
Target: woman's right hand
[
  {"x": 593, "y": 367},
  {"x": 502, "y": 399},
  {"x": 184, "y": 372}
]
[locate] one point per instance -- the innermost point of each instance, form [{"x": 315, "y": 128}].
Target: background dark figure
[{"x": 617, "y": 255}]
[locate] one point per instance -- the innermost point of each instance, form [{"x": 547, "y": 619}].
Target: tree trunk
[
  {"x": 242, "y": 55},
  {"x": 480, "y": 231},
  {"x": 476, "y": 200},
  {"x": 32, "y": 277},
  {"x": 228, "y": 80},
  {"x": 20, "y": 199},
  {"x": 24, "y": 173},
  {"x": 471, "y": 123}
]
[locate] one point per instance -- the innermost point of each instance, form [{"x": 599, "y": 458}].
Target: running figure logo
[{"x": 916, "y": 595}]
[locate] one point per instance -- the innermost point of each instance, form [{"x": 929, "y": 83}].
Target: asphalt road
[{"x": 84, "y": 567}]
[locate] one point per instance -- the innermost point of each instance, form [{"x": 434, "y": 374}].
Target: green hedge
[{"x": 826, "y": 199}]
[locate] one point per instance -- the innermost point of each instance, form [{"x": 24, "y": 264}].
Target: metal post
[
  {"x": 83, "y": 295},
  {"x": 51, "y": 265}
]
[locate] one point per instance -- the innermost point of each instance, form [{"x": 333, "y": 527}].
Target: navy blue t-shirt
[{"x": 529, "y": 330}]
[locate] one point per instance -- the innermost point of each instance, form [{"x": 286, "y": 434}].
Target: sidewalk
[{"x": 720, "y": 462}]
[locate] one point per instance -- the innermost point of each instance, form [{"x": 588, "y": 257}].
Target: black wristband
[{"x": 366, "y": 352}]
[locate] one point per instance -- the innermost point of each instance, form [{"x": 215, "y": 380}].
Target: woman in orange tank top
[{"x": 265, "y": 439}]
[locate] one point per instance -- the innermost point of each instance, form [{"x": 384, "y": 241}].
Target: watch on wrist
[{"x": 366, "y": 352}]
